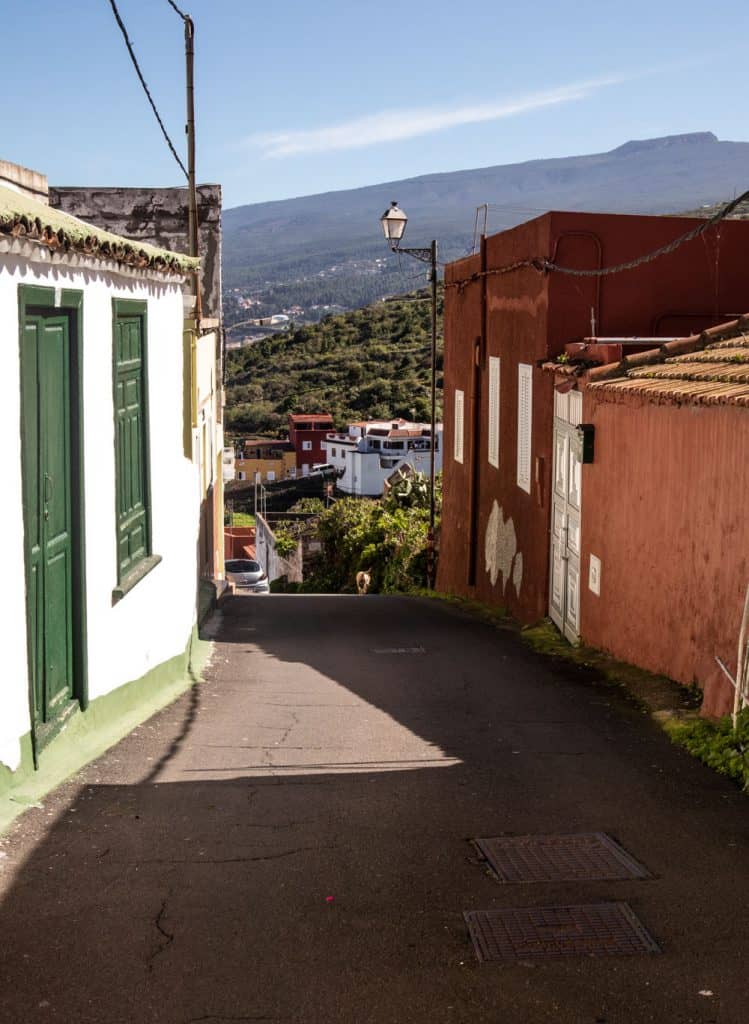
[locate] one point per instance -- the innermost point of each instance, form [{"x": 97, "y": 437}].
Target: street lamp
[{"x": 393, "y": 223}]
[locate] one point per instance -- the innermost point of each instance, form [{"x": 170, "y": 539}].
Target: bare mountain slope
[{"x": 287, "y": 244}]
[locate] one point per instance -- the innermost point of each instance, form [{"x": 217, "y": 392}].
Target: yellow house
[{"x": 273, "y": 460}]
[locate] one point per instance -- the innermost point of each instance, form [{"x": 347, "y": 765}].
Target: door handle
[{"x": 48, "y": 492}]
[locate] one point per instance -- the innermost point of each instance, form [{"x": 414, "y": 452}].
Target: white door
[{"x": 564, "y": 583}]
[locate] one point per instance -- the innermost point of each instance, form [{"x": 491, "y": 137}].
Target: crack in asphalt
[
  {"x": 289, "y": 728},
  {"x": 168, "y": 936},
  {"x": 219, "y": 1017},
  {"x": 218, "y": 860}
]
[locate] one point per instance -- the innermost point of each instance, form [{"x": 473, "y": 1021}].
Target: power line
[
  {"x": 144, "y": 84},
  {"x": 544, "y": 265},
  {"x": 183, "y": 16},
  {"x": 664, "y": 250}
]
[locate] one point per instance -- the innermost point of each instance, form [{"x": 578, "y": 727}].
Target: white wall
[
  {"x": 275, "y": 566},
  {"x": 365, "y": 476},
  {"x": 152, "y": 623}
]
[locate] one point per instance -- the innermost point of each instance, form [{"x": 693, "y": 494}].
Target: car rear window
[{"x": 242, "y": 565}]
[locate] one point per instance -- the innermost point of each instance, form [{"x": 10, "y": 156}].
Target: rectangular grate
[
  {"x": 586, "y": 856},
  {"x": 548, "y": 933}
]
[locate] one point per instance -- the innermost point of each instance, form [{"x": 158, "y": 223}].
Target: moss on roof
[{"x": 21, "y": 216}]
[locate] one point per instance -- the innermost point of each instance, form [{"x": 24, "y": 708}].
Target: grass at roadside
[
  {"x": 241, "y": 519},
  {"x": 716, "y": 744}
]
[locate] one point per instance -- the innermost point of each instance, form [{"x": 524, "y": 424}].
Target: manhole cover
[
  {"x": 588, "y": 856},
  {"x": 547, "y": 933}
]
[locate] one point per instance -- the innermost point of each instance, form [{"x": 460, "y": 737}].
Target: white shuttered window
[
  {"x": 458, "y": 439},
  {"x": 494, "y": 411},
  {"x": 525, "y": 420}
]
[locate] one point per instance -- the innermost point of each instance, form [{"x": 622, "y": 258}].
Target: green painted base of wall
[{"x": 89, "y": 733}]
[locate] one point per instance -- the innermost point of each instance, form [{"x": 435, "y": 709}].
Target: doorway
[
  {"x": 564, "y": 570},
  {"x": 51, "y": 445}
]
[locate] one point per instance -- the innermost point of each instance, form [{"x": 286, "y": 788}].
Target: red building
[
  {"x": 307, "y": 434},
  {"x": 524, "y": 508},
  {"x": 664, "y": 551}
]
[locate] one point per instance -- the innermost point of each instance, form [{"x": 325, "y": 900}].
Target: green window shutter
[{"x": 131, "y": 448}]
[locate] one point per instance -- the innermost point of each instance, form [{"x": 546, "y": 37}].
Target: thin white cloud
[{"x": 396, "y": 125}]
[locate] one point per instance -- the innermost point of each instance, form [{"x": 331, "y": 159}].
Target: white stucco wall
[
  {"x": 361, "y": 472},
  {"x": 152, "y": 623},
  {"x": 274, "y": 564},
  {"x": 365, "y": 477}
]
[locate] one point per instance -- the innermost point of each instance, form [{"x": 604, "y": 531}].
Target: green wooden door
[
  {"x": 130, "y": 439},
  {"x": 47, "y": 511}
]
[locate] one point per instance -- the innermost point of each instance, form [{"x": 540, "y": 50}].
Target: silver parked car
[{"x": 247, "y": 576}]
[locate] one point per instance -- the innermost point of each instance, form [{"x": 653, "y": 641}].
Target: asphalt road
[{"x": 289, "y": 842}]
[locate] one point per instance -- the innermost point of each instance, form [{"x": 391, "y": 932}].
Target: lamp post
[{"x": 393, "y": 223}]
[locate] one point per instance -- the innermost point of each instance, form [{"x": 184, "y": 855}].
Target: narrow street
[{"x": 289, "y": 842}]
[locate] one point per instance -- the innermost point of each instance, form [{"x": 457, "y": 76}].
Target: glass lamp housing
[{"x": 393, "y": 223}]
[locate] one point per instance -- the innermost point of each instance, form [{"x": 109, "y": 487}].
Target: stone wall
[{"x": 158, "y": 216}]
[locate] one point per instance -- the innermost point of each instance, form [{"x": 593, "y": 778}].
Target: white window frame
[
  {"x": 525, "y": 426},
  {"x": 493, "y": 431},
  {"x": 306, "y": 446},
  {"x": 458, "y": 443}
]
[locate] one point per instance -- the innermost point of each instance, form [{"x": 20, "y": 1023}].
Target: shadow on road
[{"x": 288, "y": 842}]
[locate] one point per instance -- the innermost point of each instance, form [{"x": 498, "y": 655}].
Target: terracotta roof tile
[
  {"x": 704, "y": 372},
  {"x": 24, "y": 218}
]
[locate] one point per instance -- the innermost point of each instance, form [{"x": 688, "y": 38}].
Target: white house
[
  {"x": 370, "y": 451},
  {"x": 102, "y": 489}
]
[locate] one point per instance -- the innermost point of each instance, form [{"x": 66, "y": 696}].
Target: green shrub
[
  {"x": 381, "y": 537},
  {"x": 716, "y": 743},
  {"x": 286, "y": 545}
]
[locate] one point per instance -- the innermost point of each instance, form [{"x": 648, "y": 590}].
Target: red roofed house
[
  {"x": 307, "y": 434},
  {"x": 664, "y": 555}
]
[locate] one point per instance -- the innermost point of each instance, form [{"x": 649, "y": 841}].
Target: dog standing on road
[{"x": 363, "y": 580}]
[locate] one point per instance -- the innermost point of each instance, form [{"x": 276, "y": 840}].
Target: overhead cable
[
  {"x": 664, "y": 250},
  {"x": 145, "y": 86},
  {"x": 544, "y": 265},
  {"x": 183, "y": 16}
]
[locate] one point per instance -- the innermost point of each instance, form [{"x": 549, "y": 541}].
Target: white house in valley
[
  {"x": 371, "y": 451},
  {"x": 102, "y": 483}
]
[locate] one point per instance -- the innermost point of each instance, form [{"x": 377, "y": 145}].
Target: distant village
[{"x": 250, "y": 314}]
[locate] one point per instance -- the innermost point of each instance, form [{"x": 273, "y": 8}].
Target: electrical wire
[
  {"x": 183, "y": 16},
  {"x": 147, "y": 91},
  {"x": 544, "y": 265},
  {"x": 664, "y": 250}
]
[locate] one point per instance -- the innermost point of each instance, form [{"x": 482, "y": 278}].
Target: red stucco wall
[
  {"x": 665, "y": 509},
  {"x": 530, "y": 316}
]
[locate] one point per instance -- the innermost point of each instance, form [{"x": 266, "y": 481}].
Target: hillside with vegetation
[
  {"x": 370, "y": 363},
  {"x": 299, "y": 256}
]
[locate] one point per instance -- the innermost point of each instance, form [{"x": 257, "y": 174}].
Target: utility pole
[
  {"x": 431, "y": 561},
  {"x": 192, "y": 193},
  {"x": 192, "y": 199}
]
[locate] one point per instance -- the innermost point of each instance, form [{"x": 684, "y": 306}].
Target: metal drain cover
[
  {"x": 548, "y": 933},
  {"x": 587, "y": 856}
]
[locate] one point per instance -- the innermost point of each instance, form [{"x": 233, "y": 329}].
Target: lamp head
[{"x": 393, "y": 223}]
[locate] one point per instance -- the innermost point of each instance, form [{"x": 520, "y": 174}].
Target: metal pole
[
  {"x": 192, "y": 202},
  {"x": 192, "y": 193},
  {"x": 433, "y": 421}
]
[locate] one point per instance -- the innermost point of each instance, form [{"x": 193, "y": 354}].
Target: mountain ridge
[{"x": 324, "y": 245}]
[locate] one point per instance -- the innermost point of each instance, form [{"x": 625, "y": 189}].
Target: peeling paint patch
[
  {"x": 517, "y": 572},
  {"x": 501, "y": 550}
]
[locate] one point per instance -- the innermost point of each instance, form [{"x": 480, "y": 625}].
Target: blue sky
[{"x": 295, "y": 98}]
